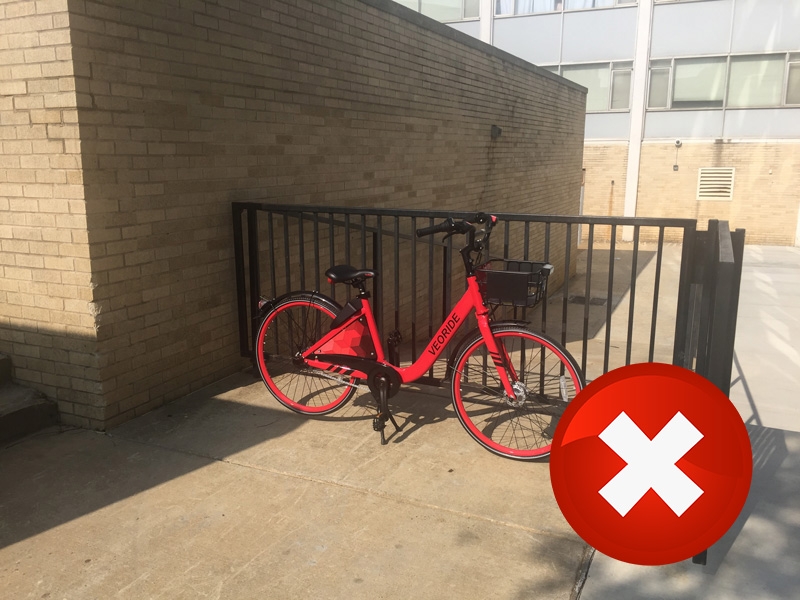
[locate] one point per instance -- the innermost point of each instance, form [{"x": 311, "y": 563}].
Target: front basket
[{"x": 520, "y": 283}]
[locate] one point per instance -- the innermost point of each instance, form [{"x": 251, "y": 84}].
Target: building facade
[{"x": 693, "y": 107}]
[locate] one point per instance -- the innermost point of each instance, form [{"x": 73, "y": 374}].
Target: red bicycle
[{"x": 509, "y": 385}]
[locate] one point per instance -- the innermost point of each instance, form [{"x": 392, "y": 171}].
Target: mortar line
[{"x": 358, "y": 489}]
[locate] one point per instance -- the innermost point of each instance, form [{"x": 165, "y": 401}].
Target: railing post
[
  {"x": 707, "y": 312},
  {"x": 722, "y": 279},
  {"x": 377, "y": 286},
  {"x": 680, "y": 353},
  {"x": 255, "y": 273},
  {"x": 241, "y": 286},
  {"x": 725, "y": 302}
]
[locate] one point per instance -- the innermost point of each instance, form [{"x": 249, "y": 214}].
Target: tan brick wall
[
  {"x": 185, "y": 107},
  {"x": 765, "y": 196},
  {"x": 606, "y": 167},
  {"x": 46, "y": 315}
]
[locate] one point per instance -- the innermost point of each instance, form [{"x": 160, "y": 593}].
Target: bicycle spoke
[
  {"x": 291, "y": 328},
  {"x": 522, "y": 426}
]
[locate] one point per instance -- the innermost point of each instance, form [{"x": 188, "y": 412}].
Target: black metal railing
[
  {"x": 289, "y": 248},
  {"x": 698, "y": 334},
  {"x": 705, "y": 341}
]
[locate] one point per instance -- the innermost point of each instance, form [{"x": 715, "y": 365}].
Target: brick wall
[
  {"x": 606, "y": 167},
  {"x": 187, "y": 105},
  {"x": 46, "y": 311},
  {"x": 765, "y": 197}
]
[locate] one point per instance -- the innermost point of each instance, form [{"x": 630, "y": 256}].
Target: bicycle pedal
[{"x": 378, "y": 423}]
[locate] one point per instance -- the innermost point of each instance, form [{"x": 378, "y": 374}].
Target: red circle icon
[{"x": 651, "y": 464}]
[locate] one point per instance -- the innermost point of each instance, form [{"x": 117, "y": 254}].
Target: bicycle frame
[{"x": 471, "y": 299}]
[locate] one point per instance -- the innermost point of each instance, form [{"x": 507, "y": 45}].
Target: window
[
  {"x": 594, "y": 77},
  {"x": 793, "y": 86},
  {"x": 620, "y": 89},
  {"x": 445, "y": 10},
  {"x": 609, "y": 85},
  {"x": 658, "y": 95},
  {"x": 756, "y": 80},
  {"x": 442, "y": 10},
  {"x": 699, "y": 83},
  {"x": 575, "y": 4},
  {"x": 715, "y": 183},
  {"x": 526, "y": 7}
]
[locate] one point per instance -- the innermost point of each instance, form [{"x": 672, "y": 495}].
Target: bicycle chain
[{"x": 363, "y": 388}]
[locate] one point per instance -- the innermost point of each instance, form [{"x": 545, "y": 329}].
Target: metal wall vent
[{"x": 715, "y": 183}]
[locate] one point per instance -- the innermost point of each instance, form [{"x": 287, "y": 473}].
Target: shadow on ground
[
  {"x": 219, "y": 494},
  {"x": 756, "y": 559},
  {"x": 59, "y": 481}
]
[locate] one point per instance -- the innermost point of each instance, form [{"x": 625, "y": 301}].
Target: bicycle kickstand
[{"x": 384, "y": 414}]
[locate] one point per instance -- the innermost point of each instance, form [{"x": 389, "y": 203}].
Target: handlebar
[
  {"x": 450, "y": 227},
  {"x": 444, "y": 227}
]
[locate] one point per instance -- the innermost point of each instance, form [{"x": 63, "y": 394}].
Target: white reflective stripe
[{"x": 651, "y": 464}]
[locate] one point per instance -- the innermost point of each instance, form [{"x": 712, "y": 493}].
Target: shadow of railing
[{"x": 62, "y": 474}]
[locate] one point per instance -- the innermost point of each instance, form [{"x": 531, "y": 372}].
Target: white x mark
[{"x": 651, "y": 464}]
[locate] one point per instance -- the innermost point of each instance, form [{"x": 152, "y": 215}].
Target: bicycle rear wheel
[
  {"x": 292, "y": 326},
  {"x": 545, "y": 379}
]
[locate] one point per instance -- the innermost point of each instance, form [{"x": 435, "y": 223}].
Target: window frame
[
  {"x": 613, "y": 66},
  {"x": 617, "y": 4},
  {"x": 784, "y": 82},
  {"x": 726, "y": 61},
  {"x": 660, "y": 64},
  {"x": 561, "y": 9},
  {"x": 459, "y": 20},
  {"x": 628, "y": 70},
  {"x": 789, "y": 63}
]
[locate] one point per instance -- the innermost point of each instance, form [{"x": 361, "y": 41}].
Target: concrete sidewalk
[
  {"x": 224, "y": 494},
  {"x": 759, "y": 557}
]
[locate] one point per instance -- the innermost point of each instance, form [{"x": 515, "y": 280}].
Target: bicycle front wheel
[
  {"x": 290, "y": 328},
  {"x": 544, "y": 376}
]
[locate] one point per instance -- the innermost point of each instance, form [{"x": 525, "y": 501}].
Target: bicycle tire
[
  {"x": 547, "y": 375},
  {"x": 293, "y": 325}
]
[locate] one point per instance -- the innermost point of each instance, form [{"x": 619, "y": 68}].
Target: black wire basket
[{"x": 521, "y": 283}]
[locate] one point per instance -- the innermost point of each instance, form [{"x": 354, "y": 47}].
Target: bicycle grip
[{"x": 443, "y": 227}]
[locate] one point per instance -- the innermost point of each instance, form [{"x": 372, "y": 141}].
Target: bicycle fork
[{"x": 500, "y": 358}]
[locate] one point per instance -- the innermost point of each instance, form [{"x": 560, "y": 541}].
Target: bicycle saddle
[{"x": 348, "y": 274}]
